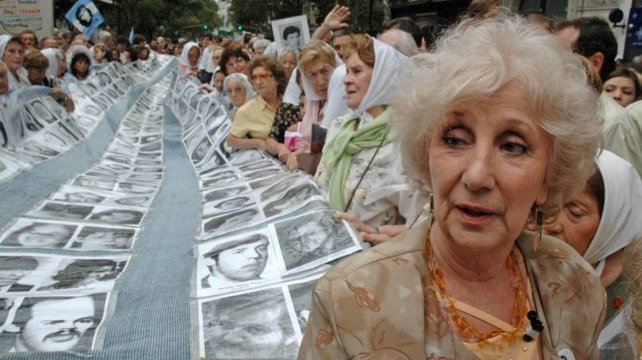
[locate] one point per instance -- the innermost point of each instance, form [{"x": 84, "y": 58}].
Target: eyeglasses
[{"x": 261, "y": 77}]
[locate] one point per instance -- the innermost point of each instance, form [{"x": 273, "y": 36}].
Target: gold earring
[{"x": 539, "y": 222}]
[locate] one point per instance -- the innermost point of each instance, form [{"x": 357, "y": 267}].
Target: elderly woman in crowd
[
  {"x": 253, "y": 121},
  {"x": 12, "y": 53},
  {"x": 188, "y": 62},
  {"x": 360, "y": 170},
  {"x": 239, "y": 90},
  {"x": 37, "y": 66},
  {"x": 316, "y": 64},
  {"x": 602, "y": 221},
  {"x": 288, "y": 60},
  {"x": 623, "y": 86},
  {"x": 494, "y": 141}
]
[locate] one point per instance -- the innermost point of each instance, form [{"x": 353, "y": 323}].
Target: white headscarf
[
  {"x": 336, "y": 105},
  {"x": 184, "y": 60},
  {"x": 390, "y": 69},
  {"x": 292, "y": 91},
  {"x": 4, "y": 40},
  {"x": 621, "y": 220},
  {"x": 51, "y": 55}
]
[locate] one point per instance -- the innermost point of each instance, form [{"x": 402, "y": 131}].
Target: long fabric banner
[{"x": 135, "y": 232}]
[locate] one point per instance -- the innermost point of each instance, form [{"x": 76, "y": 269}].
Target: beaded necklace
[{"x": 467, "y": 332}]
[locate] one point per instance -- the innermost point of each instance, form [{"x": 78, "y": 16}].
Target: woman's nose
[
  {"x": 479, "y": 173},
  {"x": 553, "y": 227}
]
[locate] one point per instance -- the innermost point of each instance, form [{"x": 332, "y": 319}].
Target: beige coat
[{"x": 371, "y": 306}]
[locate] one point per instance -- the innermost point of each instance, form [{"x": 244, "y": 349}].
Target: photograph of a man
[
  {"x": 249, "y": 326},
  {"x": 224, "y": 193},
  {"x": 13, "y": 269},
  {"x": 291, "y": 200},
  {"x": 84, "y": 15},
  {"x": 311, "y": 237},
  {"x": 118, "y": 216},
  {"x": 100, "y": 238},
  {"x": 86, "y": 273},
  {"x": 236, "y": 261},
  {"x": 54, "y": 210},
  {"x": 54, "y": 324},
  {"x": 291, "y": 37},
  {"x": 233, "y": 220}
]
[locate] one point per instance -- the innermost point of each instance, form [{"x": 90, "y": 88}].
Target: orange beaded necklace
[{"x": 467, "y": 332}]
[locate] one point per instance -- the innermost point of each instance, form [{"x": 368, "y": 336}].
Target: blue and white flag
[{"x": 85, "y": 16}]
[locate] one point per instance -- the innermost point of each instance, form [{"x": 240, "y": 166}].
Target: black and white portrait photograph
[
  {"x": 220, "y": 194},
  {"x": 201, "y": 149},
  {"x": 258, "y": 165},
  {"x": 236, "y": 263},
  {"x": 263, "y": 173},
  {"x": 135, "y": 188},
  {"x": 291, "y": 32},
  {"x": 117, "y": 216},
  {"x": 47, "y": 324},
  {"x": 312, "y": 239},
  {"x": 30, "y": 233},
  {"x": 250, "y": 326},
  {"x": 104, "y": 238},
  {"x": 96, "y": 274},
  {"x": 16, "y": 272},
  {"x": 231, "y": 221},
  {"x": 276, "y": 186},
  {"x": 219, "y": 179},
  {"x": 55, "y": 210},
  {"x": 227, "y": 205},
  {"x": 292, "y": 199},
  {"x": 301, "y": 295}
]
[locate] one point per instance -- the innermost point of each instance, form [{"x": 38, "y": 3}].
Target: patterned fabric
[
  {"x": 372, "y": 304},
  {"x": 384, "y": 196},
  {"x": 286, "y": 116}
]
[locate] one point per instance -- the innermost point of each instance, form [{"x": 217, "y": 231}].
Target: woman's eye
[
  {"x": 515, "y": 147},
  {"x": 455, "y": 137},
  {"x": 574, "y": 210}
]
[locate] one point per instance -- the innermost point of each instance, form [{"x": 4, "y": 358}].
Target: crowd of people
[{"x": 462, "y": 158}]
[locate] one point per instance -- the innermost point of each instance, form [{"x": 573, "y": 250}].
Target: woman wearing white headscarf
[
  {"x": 602, "y": 222},
  {"x": 189, "y": 60},
  {"x": 56, "y": 68},
  {"x": 360, "y": 170},
  {"x": 12, "y": 54}
]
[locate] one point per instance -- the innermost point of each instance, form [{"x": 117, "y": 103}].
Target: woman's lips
[{"x": 475, "y": 215}]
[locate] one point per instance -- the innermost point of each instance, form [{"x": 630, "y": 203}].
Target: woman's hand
[
  {"x": 372, "y": 235},
  {"x": 60, "y": 94},
  {"x": 336, "y": 18}
]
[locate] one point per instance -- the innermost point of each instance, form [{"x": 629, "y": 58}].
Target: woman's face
[
  {"x": 288, "y": 62},
  {"x": 13, "y": 56},
  {"x": 219, "y": 79},
  {"x": 357, "y": 80},
  {"x": 488, "y": 161},
  {"x": 216, "y": 56},
  {"x": 236, "y": 92},
  {"x": 264, "y": 82},
  {"x": 236, "y": 65},
  {"x": 621, "y": 89},
  {"x": 577, "y": 221},
  {"x": 61, "y": 65},
  {"x": 319, "y": 72},
  {"x": 193, "y": 56},
  {"x": 81, "y": 66}
]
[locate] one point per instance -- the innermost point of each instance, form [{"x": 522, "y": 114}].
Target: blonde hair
[
  {"x": 314, "y": 50},
  {"x": 474, "y": 60}
]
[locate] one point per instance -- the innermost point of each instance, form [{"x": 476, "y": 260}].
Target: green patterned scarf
[{"x": 337, "y": 154}]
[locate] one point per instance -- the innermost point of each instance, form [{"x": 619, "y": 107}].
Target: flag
[{"x": 84, "y": 15}]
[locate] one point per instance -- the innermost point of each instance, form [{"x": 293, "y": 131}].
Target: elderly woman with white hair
[
  {"x": 492, "y": 141},
  {"x": 189, "y": 59},
  {"x": 239, "y": 90}
]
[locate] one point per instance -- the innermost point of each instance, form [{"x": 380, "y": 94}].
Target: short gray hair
[
  {"x": 475, "y": 59},
  {"x": 403, "y": 41}
]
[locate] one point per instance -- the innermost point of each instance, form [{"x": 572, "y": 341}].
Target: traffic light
[
  {"x": 239, "y": 27},
  {"x": 205, "y": 26}
]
